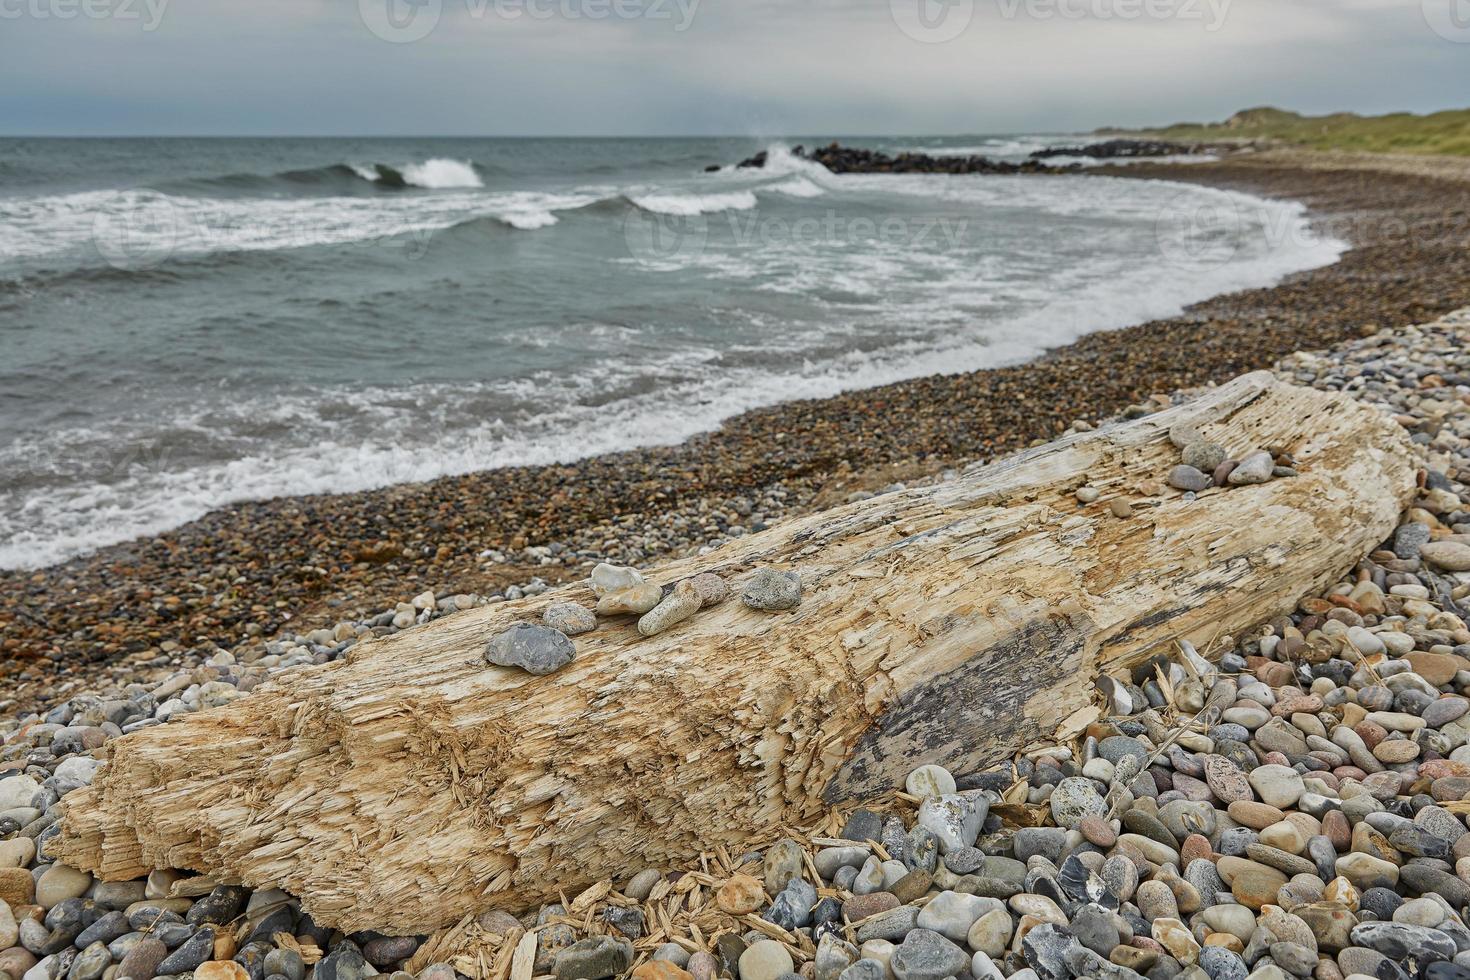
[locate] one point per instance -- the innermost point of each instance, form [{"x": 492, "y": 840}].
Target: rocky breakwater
[
  {"x": 851, "y": 159},
  {"x": 1122, "y": 149}
]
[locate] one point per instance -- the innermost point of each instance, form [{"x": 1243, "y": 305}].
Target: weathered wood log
[{"x": 411, "y": 784}]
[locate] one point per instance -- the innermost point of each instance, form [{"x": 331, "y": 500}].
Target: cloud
[{"x": 746, "y": 67}]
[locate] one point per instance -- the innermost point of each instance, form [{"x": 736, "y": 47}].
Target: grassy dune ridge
[{"x": 1444, "y": 133}]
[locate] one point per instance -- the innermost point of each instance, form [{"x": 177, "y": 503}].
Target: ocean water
[{"x": 186, "y": 323}]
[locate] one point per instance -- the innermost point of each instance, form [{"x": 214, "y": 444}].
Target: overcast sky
[{"x": 741, "y": 67}]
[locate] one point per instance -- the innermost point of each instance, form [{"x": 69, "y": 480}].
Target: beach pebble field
[{"x": 1289, "y": 802}]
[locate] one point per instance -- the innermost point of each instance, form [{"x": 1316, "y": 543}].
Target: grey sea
[{"x": 185, "y": 323}]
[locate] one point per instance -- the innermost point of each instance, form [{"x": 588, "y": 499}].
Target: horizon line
[{"x": 566, "y": 136}]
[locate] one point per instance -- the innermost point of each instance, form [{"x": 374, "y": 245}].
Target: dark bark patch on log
[{"x": 944, "y": 719}]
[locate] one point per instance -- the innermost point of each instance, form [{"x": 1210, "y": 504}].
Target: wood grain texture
[{"x": 410, "y": 784}]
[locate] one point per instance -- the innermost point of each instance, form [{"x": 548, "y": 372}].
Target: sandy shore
[{"x": 246, "y": 571}]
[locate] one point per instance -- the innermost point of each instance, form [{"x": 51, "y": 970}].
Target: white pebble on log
[
  {"x": 611, "y": 578},
  {"x": 634, "y": 600}
]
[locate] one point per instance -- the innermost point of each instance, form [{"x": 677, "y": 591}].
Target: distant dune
[{"x": 1445, "y": 132}]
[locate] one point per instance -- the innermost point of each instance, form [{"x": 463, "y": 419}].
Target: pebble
[
  {"x": 594, "y": 958},
  {"x": 1409, "y": 538},
  {"x": 284, "y": 963},
  {"x": 991, "y": 932},
  {"x": 569, "y": 618},
  {"x": 891, "y": 925},
  {"x": 607, "y": 578},
  {"x": 17, "y": 852},
  {"x": 60, "y": 883},
  {"x": 954, "y": 820},
  {"x": 765, "y": 960},
  {"x": 1453, "y": 556},
  {"x": 710, "y": 588},
  {"x": 1203, "y": 455},
  {"x": 865, "y": 969},
  {"x": 218, "y": 970},
  {"x": 635, "y": 600},
  {"x": 535, "y": 649},
  {"x": 1277, "y": 786},
  {"x": 1075, "y": 799},
  {"x": 772, "y": 590},
  {"x": 1443, "y": 711},
  {"x": 197, "y": 950},
  {"x": 926, "y": 955},
  {"x": 951, "y": 914},
  {"x": 740, "y": 895},
  {"x": 860, "y": 907},
  {"x": 17, "y": 791},
  {"x": 702, "y": 966},
  {"x": 929, "y": 781},
  {"x": 1255, "y": 886},
  {"x": 1188, "y": 478},
  {"x": 641, "y": 885},
  {"x": 1226, "y": 780},
  {"x": 676, "y": 607},
  {"x": 142, "y": 961},
  {"x": 1398, "y": 940},
  {"x": 1254, "y": 468},
  {"x": 1097, "y": 831}
]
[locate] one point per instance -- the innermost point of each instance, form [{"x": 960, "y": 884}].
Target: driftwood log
[{"x": 411, "y": 784}]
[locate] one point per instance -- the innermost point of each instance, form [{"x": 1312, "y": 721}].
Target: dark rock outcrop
[{"x": 1125, "y": 148}]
